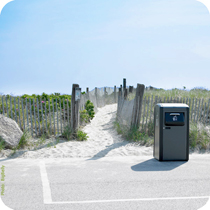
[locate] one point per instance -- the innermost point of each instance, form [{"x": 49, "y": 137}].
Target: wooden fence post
[
  {"x": 53, "y": 115},
  {"x": 105, "y": 95},
  {"x": 7, "y": 106},
  {"x": 74, "y": 109},
  {"x": 207, "y": 114},
  {"x": 143, "y": 112},
  {"x": 96, "y": 92},
  {"x": 124, "y": 83},
  {"x": 201, "y": 110},
  {"x": 130, "y": 90},
  {"x": 11, "y": 107},
  {"x": 22, "y": 113},
  {"x": 115, "y": 94},
  {"x": 3, "y": 105},
  {"x": 204, "y": 113},
  {"x": 136, "y": 114},
  {"x": 26, "y": 113},
  {"x": 124, "y": 89},
  {"x": 125, "y": 93},
  {"x": 121, "y": 87},
  {"x": 119, "y": 102},
  {"x": 87, "y": 94}
]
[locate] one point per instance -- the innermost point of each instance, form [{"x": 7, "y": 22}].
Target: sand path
[{"x": 103, "y": 141}]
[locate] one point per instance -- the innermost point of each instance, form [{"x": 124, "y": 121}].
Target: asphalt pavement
[{"x": 106, "y": 183}]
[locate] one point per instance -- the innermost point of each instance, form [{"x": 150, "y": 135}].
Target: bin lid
[{"x": 172, "y": 105}]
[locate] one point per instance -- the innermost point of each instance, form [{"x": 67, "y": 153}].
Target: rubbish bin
[{"x": 171, "y": 126}]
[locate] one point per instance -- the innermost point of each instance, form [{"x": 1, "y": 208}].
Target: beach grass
[
  {"x": 199, "y": 133},
  {"x": 2, "y": 143}
]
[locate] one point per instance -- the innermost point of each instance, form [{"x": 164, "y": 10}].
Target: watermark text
[{"x": 2, "y": 179}]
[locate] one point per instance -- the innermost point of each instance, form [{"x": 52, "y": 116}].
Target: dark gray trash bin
[{"x": 171, "y": 138}]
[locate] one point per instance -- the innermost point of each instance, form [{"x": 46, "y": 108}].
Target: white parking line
[
  {"x": 128, "y": 200},
  {"x": 45, "y": 184},
  {"x": 48, "y": 199}
]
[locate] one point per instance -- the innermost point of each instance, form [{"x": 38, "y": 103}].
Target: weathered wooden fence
[
  {"x": 129, "y": 111},
  {"x": 139, "y": 111},
  {"x": 41, "y": 116},
  {"x": 51, "y": 116},
  {"x": 98, "y": 96}
]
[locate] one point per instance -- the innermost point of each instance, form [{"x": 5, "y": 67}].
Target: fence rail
[
  {"x": 51, "y": 115},
  {"x": 199, "y": 110},
  {"x": 39, "y": 116}
]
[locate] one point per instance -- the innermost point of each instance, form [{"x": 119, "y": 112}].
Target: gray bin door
[{"x": 175, "y": 143}]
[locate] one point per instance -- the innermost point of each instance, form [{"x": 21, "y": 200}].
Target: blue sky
[{"x": 47, "y": 45}]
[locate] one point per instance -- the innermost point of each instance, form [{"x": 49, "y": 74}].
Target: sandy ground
[{"x": 103, "y": 141}]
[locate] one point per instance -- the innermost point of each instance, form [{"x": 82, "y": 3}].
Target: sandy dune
[{"x": 103, "y": 141}]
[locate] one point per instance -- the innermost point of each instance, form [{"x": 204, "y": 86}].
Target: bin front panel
[
  {"x": 175, "y": 133},
  {"x": 174, "y": 143}
]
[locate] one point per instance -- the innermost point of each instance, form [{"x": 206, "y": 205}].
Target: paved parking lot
[{"x": 106, "y": 183}]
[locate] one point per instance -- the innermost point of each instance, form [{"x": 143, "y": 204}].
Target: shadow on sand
[{"x": 104, "y": 152}]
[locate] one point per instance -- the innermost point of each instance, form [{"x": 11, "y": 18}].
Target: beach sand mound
[{"x": 103, "y": 141}]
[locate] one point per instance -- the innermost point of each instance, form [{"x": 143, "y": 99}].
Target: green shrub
[
  {"x": 84, "y": 116},
  {"x": 81, "y": 136},
  {"x": 90, "y": 109},
  {"x": 88, "y": 113},
  {"x": 117, "y": 126},
  {"x": 136, "y": 135},
  {"x": 67, "y": 133}
]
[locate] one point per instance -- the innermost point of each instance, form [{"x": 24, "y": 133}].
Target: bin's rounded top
[{"x": 172, "y": 105}]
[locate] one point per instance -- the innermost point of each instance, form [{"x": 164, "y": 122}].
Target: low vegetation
[
  {"x": 199, "y": 133},
  {"x": 2, "y": 143},
  {"x": 134, "y": 134},
  {"x": 69, "y": 134},
  {"x": 48, "y": 102},
  {"x": 24, "y": 139},
  {"x": 90, "y": 109},
  {"x": 25, "y": 143},
  {"x": 199, "y": 136},
  {"x": 39, "y": 103},
  {"x": 197, "y": 92},
  {"x": 81, "y": 136}
]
